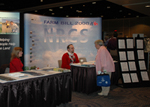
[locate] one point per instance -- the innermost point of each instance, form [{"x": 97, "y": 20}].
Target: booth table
[
  {"x": 48, "y": 90},
  {"x": 84, "y": 78}
]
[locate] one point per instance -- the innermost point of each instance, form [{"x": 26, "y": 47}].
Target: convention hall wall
[{"x": 128, "y": 26}]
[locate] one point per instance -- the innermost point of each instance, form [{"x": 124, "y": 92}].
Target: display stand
[
  {"x": 129, "y": 62},
  {"x": 140, "y": 60}
]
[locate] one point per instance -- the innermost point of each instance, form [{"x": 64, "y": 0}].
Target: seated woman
[
  {"x": 15, "y": 62},
  {"x": 103, "y": 62}
]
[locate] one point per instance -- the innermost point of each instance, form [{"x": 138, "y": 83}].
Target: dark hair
[{"x": 69, "y": 45}]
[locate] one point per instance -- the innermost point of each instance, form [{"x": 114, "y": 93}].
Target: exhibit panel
[
  {"x": 143, "y": 70},
  {"x": 132, "y": 62},
  {"x": 9, "y": 34},
  {"x": 46, "y": 38}
]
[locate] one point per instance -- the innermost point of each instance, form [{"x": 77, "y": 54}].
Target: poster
[{"x": 9, "y": 34}]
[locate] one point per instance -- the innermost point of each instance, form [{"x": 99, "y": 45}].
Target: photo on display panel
[
  {"x": 121, "y": 44},
  {"x": 129, "y": 43},
  {"x": 139, "y": 44},
  {"x": 142, "y": 65},
  {"x": 145, "y": 76},
  {"x": 9, "y": 34},
  {"x": 122, "y": 55},
  {"x": 140, "y": 54},
  {"x": 130, "y": 55},
  {"x": 126, "y": 78},
  {"x": 124, "y": 66},
  {"x": 134, "y": 77},
  {"x": 132, "y": 65}
]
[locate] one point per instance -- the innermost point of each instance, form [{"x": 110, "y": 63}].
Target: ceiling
[{"x": 107, "y": 9}]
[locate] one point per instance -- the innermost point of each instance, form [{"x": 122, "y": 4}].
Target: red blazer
[
  {"x": 16, "y": 65},
  {"x": 66, "y": 60}
]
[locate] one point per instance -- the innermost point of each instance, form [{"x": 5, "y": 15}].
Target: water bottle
[{"x": 104, "y": 71}]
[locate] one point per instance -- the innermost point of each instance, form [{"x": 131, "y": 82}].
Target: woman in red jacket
[{"x": 15, "y": 62}]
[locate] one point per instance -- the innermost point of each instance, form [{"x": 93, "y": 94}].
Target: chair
[
  {"x": 114, "y": 54},
  {"x": 3, "y": 68},
  {"x": 84, "y": 59},
  {"x": 59, "y": 63}
]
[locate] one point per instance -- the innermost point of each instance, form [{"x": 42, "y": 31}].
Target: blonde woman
[
  {"x": 103, "y": 61},
  {"x": 15, "y": 62}
]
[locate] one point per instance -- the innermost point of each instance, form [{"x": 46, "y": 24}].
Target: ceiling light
[
  {"x": 71, "y": 7},
  {"x": 53, "y": 13},
  {"x": 1, "y": 4},
  {"x": 36, "y": 11},
  {"x": 83, "y": 5},
  {"x": 50, "y": 9},
  {"x": 147, "y": 6},
  {"x": 120, "y": 10},
  {"x": 67, "y": 15},
  {"x": 41, "y": 0},
  {"x": 60, "y": 7},
  {"x": 77, "y": 10},
  {"x": 93, "y": 2},
  {"x": 108, "y": 7}
]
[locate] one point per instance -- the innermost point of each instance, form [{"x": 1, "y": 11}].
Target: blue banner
[{"x": 46, "y": 38}]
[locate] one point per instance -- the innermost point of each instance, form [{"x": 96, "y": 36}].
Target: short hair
[
  {"x": 69, "y": 46},
  {"x": 15, "y": 53},
  {"x": 99, "y": 42}
]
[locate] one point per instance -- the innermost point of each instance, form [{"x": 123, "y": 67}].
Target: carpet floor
[{"x": 118, "y": 97}]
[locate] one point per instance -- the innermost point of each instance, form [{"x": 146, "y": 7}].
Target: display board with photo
[
  {"x": 132, "y": 62},
  {"x": 9, "y": 34}
]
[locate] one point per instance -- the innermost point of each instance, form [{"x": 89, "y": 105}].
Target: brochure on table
[{"x": 11, "y": 77}]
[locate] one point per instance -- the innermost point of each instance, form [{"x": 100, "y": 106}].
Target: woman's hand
[{"x": 102, "y": 69}]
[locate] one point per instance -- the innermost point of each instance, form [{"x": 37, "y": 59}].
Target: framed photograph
[
  {"x": 122, "y": 55},
  {"x": 142, "y": 65},
  {"x": 126, "y": 78},
  {"x": 140, "y": 54},
  {"x": 145, "y": 76},
  {"x": 124, "y": 66},
  {"x": 139, "y": 44},
  {"x": 132, "y": 65},
  {"x": 134, "y": 77},
  {"x": 121, "y": 44},
  {"x": 130, "y": 55},
  {"x": 129, "y": 43}
]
